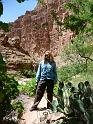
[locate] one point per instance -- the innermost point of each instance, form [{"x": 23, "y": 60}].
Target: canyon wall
[
  {"x": 36, "y": 32},
  {"x": 37, "y": 29}
]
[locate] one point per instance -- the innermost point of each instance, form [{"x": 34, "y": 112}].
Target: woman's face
[{"x": 47, "y": 57}]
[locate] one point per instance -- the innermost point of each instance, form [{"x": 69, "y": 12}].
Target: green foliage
[
  {"x": 4, "y": 26},
  {"x": 8, "y": 89},
  {"x": 55, "y": 90},
  {"x": 75, "y": 102},
  {"x": 18, "y": 107},
  {"x": 81, "y": 16},
  {"x": 28, "y": 73},
  {"x": 79, "y": 20},
  {"x": 67, "y": 72},
  {"x": 81, "y": 77},
  {"x": 1, "y": 8},
  {"x": 74, "y": 23},
  {"x": 78, "y": 57},
  {"x": 83, "y": 46},
  {"x": 29, "y": 88},
  {"x": 80, "y": 50}
]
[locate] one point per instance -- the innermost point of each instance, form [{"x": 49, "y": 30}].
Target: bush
[
  {"x": 29, "y": 88},
  {"x": 28, "y": 73},
  {"x": 18, "y": 107},
  {"x": 8, "y": 89},
  {"x": 66, "y": 73}
]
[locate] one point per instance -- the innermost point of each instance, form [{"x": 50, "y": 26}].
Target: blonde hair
[{"x": 50, "y": 55}]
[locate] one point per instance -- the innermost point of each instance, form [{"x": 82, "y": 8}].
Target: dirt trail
[{"x": 34, "y": 116}]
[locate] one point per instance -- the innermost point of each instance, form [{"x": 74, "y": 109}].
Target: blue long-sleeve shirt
[{"x": 46, "y": 71}]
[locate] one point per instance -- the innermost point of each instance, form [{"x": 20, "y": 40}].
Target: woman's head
[{"x": 48, "y": 57}]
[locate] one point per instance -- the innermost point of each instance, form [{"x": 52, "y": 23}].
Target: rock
[
  {"x": 37, "y": 30},
  {"x": 14, "y": 55},
  {"x": 22, "y": 121},
  {"x": 34, "y": 33},
  {"x": 55, "y": 116}
]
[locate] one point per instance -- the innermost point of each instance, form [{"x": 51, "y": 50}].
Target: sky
[{"x": 13, "y": 9}]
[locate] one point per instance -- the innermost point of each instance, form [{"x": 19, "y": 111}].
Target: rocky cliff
[
  {"x": 15, "y": 58},
  {"x": 36, "y": 31}
]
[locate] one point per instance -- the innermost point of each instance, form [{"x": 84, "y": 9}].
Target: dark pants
[{"x": 49, "y": 84}]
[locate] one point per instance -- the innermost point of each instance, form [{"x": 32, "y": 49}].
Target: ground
[{"x": 34, "y": 116}]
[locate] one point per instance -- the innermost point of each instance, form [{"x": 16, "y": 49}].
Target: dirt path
[{"x": 34, "y": 116}]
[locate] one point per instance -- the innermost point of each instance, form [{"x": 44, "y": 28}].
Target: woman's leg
[
  {"x": 39, "y": 93},
  {"x": 50, "y": 86}
]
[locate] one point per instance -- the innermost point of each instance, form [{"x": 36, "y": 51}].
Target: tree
[
  {"x": 80, "y": 21},
  {"x": 80, "y": 18}
]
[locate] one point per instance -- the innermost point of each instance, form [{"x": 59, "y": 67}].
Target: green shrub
[
  {"x": 28, "y": 73},
  {"x": 18, "y": 107},
  {"x": 8, "y": 89},
  {"x": 66, "y": 73},
  {"x": 29, "y": 88}
]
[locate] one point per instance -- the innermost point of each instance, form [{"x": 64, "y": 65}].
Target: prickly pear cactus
[{"x": 75, "y": 102}]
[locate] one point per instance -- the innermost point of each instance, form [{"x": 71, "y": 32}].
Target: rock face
[
  {"x": 15, "y": 56},
  {"x": 37, "y": 30},
  {"x": 34, "y": 33}
]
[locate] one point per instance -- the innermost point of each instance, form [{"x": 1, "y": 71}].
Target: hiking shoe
[{"x": 33, "y": 109}]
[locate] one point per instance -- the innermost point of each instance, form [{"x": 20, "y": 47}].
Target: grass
[{"x": 82, "y": 77}]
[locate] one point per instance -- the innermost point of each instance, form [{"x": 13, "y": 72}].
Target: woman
[{"x": 46, "y": 77}]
